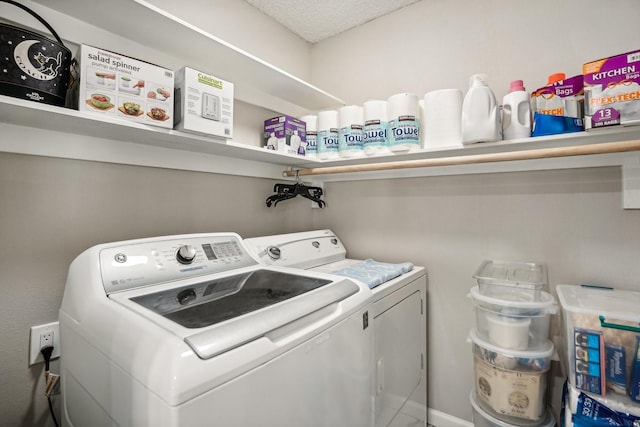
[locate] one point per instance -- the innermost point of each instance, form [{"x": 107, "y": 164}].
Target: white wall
[
  {"x": 570, "y": 220},
  {"x": 51, "y": 208},
  {"x": 245, "y": 27},
  {"x": 437, "y": 44}
]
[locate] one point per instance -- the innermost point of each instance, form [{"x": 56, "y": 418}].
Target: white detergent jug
[
  {"x": 516, "y": 112},
  {"x": 480, "y": 113}
]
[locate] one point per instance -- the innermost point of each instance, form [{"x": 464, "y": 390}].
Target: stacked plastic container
[
  {"x": 511, "y": 349},
  {"x": 600, "y": 355}
]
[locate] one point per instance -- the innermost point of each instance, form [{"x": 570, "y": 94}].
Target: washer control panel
[{"x": 149, "y": 262}]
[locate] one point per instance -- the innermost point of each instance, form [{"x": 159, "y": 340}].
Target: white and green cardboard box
[
  {"x": 117, "y": 86},
  {"x": 203, "y": 104}
]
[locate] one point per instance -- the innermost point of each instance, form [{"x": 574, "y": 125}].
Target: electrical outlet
[{"x": 41, "y": 336}]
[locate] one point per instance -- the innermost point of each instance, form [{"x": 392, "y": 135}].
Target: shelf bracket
[{"x": 631, "y": 182}]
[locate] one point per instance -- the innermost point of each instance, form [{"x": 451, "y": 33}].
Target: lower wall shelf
[{"x": 35, "y": 129}]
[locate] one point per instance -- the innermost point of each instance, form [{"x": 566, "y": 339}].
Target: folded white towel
[{"x": 374, "y": 273}]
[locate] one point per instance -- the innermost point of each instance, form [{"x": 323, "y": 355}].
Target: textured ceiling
[{"x": 316, "y": 20}]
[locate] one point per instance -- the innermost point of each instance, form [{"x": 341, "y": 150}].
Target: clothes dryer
[{"x": 399, "y": 316}]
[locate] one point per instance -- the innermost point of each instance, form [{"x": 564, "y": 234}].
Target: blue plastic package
[
  {"x": 591, "y": 413},
  {"x": 545, "y": 124},
  {"x": 634, "y": 386}
]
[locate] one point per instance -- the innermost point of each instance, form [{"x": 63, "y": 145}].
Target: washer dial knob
[
  {"x": 186, "y": 254},
  {"x": 273, "y": 252}
]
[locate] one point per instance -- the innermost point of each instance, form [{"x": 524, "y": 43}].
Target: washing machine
[
  {"x": 399, "y": 316},
  {"x": 191, "y": 330}
]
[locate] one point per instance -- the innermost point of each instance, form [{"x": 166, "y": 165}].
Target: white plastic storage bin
[
  {"x": 602, "y": 336},
  {"x": 515, "y": 281},
  {"x": 511, "y": 385},
  {"x": 516, "y": 325},
  {"x": 482, "y": 418}
]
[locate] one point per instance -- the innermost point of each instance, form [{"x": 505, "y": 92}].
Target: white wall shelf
[
  {"x": 87, "y": 136},
  {"x": 31, "y": 128},
  {"x": 612, "y": 134},
  {"x": 172, "y": 42}
]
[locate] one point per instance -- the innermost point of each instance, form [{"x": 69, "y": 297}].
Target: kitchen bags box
[
  {"x": 558, "y": 107},
  {"x": 118, "y": 86},
  {"x": 285, "y": 134},
  {"x": 203, "y": 103},
  {"x": 612, "y": 91}
]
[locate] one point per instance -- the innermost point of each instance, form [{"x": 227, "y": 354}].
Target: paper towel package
[
  {"x": 203, "y": 103},
  {"x": 350, "y": 132},
  {"x": 404, "y": 122},
  {"x": 376, "y": 128},
  {"x": 311, "y": 145},
  {"x": 612, "y": 91},
  {"x": 285, "y": 134}
]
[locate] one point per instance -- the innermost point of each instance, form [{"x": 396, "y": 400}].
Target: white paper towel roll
[
  {"x": 421, "y": 116},
  {"x": 312, "y": 122},
  {"x": 374, "y": 110},
  {"x": 311, "y": 147},
  {"x": 404, "y": 122},
  {"x": 350, "y": 131},
  {"x": 327, "y": 119},
  {"x": 376, "y": 128},
  {"x": 328, "y": 134},
  {"x": 402, "y": 104},
  {"x": 442, "y": 118},
  {"x": 349, "y": 115}
]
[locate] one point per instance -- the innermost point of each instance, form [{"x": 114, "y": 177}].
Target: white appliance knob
[
  {"x": 273, "y": 252},
  {"x": 186, "y": 254}
]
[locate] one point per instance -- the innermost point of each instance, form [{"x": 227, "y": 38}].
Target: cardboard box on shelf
[
  {"x": 612, "y": 91},
  {"x": 285, "y": 134},
  {"x": 203, "y": 103},
  {"x": 118, "y": 86}
]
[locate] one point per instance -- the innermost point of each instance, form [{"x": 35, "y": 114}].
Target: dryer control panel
[
  {"x": 307, "y": 249},
  {"x": 150, "y": 262}
]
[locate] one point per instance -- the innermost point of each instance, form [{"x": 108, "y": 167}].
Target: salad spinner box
[{"x": 118, "y": 86}]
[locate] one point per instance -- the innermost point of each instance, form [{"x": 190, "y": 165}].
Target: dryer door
[{"x": 398, "y": 337}]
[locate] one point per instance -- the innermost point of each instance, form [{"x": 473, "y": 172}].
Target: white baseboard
[
  {"x": 441, "y": 419},
  {"x": 415, "y": 410}
]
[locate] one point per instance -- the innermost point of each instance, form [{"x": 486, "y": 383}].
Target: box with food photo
[{"x": 119, "y": 86}]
